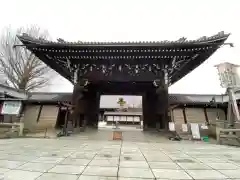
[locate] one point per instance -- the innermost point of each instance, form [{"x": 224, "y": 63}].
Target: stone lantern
[{"x": 230, "y": 79}]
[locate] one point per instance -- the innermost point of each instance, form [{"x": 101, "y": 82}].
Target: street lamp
[{"x": 229, "y": 79}]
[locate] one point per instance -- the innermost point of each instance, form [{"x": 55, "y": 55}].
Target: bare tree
[{"x": 20, "y": 68}]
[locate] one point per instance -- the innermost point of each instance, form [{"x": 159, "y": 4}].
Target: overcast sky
[{"x": 135, "y": 20}]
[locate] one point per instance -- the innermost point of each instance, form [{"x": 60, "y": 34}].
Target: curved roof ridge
[{"x": 202, "y": 40}]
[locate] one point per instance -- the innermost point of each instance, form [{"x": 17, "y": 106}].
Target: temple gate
[{"x": 131, "y": 68}]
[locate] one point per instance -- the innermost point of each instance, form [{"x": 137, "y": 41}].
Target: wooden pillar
[
  {"x": 93, "y": 102},
  {"x": 76, "y": 98},
  {"x": 150, "y": 110},
  {"x": 78, "y": 93},
  {"x": 144, "y": 109},
  {"x": 163, "y": 104}
]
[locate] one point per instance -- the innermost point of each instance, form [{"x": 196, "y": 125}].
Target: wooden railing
[{"x": 228, "y": 134}]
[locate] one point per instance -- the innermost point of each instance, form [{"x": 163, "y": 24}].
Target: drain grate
[
  {"x": 228, "y": 156},
  {"x": 184, "y": 161},
  {"x": 235, "y": 160},
  {"x": 127, "y": 158},
  {"x": 107, "y": 155}
]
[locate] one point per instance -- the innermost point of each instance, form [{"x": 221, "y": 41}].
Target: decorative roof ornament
[
  {"x": 41, "y": 39},
  {"x": 25, "y": 35},
  {"x": 182, "y": 40},
  {"x": 60, "y": 40},
  {"x": 203, "y": 38},
  {"x": 221, "y": 33}
]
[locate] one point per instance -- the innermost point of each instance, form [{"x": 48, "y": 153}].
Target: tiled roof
[
  {"x": 12, "y": 92},
  {"x": 95, "y": 61},
  {"x": 195, "y": 98},
  {"x": 202, "y": 40},
  {"x": 173, "y": 98},
  {"x": 38, "y": 96},
  {"x": 61, "y": 97}
]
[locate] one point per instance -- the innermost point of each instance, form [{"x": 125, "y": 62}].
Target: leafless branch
[{"x": 20, "y": 67}]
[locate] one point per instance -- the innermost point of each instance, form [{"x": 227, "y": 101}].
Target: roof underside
[{"x": 121, "y": 61}]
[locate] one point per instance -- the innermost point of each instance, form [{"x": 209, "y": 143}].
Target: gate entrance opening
[{"x": 124, "y": 111}]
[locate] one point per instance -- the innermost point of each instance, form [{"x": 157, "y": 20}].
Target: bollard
[
  {"x": 117, "y": 135},
  {"x": 21, "y": 127},
  {"x": 45, "y": 134}
]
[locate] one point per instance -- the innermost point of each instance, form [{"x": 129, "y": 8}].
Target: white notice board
[
  {"x": 171, "y": 126},
  {"x": 184, "y": 127},
  {"x": 195, "y": 131},
  {"x": 11, "y": 107}
]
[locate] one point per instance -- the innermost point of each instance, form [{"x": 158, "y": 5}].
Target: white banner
[
  {"x": 11, "y": 107},
  {"x": 195, "y": 131},
  {"x": 171, "y": 126},
  {"x": 184, "y": 127}
]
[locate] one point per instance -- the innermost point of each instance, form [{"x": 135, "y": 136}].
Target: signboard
[
  {"x": 171, "y": 126},
  {"x": 184, "y": 127},
  {"x": 195, "y": 130},
  {"x": 11, "y": 107}
]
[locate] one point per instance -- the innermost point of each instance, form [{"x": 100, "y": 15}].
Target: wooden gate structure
[{"x": 133, "y": 68}]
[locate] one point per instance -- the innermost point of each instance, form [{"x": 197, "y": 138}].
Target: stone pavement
[{"x": 74, "y": 158}]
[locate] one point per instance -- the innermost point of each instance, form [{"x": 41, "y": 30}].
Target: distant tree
[
  {"x": 121, "y": 102},
  {"x": 19, "y": 67}
]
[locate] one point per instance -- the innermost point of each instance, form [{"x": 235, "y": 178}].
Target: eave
[{"x": 178, "y": 57}]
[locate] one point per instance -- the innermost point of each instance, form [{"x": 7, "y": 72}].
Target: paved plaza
[{"x": 84, "y": 157}]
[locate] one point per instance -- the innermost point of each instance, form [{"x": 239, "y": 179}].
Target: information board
[{"x": 11, "y": 107}]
